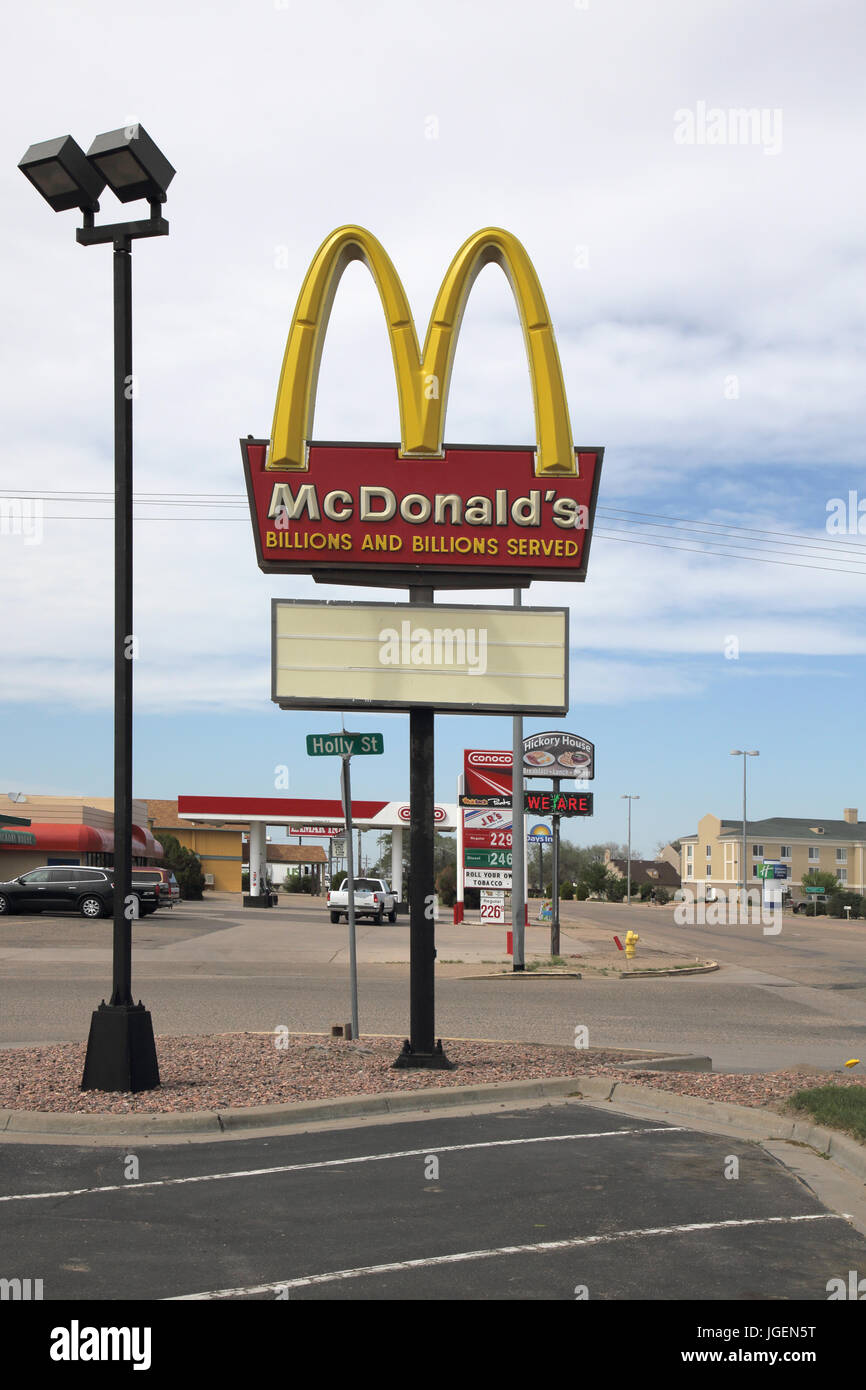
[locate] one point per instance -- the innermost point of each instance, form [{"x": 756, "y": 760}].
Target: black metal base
[
  {"x": 121, "y": 1051},
  {"x": 262, "y": 900},
  {"x": 434, "y": 1061}
]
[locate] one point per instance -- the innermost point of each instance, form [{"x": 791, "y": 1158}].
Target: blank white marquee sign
[{"x": 460, "y": 657}]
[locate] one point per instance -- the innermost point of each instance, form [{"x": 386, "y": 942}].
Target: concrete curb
[
  {"x": 577, "y": 975},
  {"x": 242, "y": 1118},
  {"x": 688, "y": 1062},
  {"x": 670, "y": 974},
  {"x": 752, "y": 1122}
]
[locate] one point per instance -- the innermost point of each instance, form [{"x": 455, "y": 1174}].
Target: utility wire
[{"x": 717, "y": 533}]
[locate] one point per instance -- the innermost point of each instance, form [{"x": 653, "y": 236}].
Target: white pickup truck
[{"x": 373, "y": 898}]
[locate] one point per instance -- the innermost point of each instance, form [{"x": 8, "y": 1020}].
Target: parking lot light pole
[
  {"x": 121, "y": 1051},
  {"x": 629, "y": 797},
  {"x": 744, "y": 753}
]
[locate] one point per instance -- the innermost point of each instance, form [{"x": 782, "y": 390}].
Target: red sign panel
[
  {"x": 487, "y": 771},
  {"x": 475, "y": 512},
  {"x": 486, "y": 828}
]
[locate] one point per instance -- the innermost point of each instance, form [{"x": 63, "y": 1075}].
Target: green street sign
[
  {"x": 487, "y": 858},
  {"x": 344, "y": 745},
  {"x": 816, "y": 890}
]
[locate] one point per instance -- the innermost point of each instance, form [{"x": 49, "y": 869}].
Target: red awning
[
  {"x": 144, "y": 843},
  {"x": 85, "y": 839},
  {"x": 66, "y": 839}
]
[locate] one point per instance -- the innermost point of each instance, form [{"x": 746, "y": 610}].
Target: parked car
[
  {"x": 373, "y": 898},
  {"x": 167, "y": 886},
  {"x": 69, "y": 888}
]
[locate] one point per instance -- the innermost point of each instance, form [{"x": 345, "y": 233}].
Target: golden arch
[{"x": 423, "y": 379}]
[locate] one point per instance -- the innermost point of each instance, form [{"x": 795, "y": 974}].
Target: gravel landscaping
[{"x": 221, "y": 1071}]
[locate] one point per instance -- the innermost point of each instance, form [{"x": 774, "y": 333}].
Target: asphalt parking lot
[{"x": 557, "y": 1202}]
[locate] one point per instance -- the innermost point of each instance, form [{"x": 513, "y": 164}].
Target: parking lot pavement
[{"x": 558, "y": 1202}]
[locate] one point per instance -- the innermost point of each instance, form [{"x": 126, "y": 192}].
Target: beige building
[
  {"x": 220, "y": 848},
  {"x": 713, "y": 856}
]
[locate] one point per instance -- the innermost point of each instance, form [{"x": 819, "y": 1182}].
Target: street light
[
  {"x": 744, "y": 753},
  {"x": 131, "y": 164},
  {"x": 60, "y": 171},
  {"x": 629, "y": 797},
  {"x": 121, "y": 1052}
]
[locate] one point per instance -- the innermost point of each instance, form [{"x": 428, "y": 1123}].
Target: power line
[
  {"x": 727, "y": 538},
  {"x": 727, "y": 525},
  {"x": 727, "y": 555},
  {"x": 721, "y": 534}
]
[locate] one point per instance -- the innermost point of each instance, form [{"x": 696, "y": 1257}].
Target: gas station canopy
[{"x": 289, "y": 811}]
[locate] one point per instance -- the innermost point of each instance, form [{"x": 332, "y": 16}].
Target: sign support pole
[
  {"x": 420, "y": 1049},
  {"x": 518, "y": 841},
  {"x": 346, "y": 793},
  {"x": 554, "y": 919},
  {"x": 461, "y": 891}
]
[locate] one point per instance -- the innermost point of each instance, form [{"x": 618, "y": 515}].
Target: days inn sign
[{"x": 421, "y": 510}]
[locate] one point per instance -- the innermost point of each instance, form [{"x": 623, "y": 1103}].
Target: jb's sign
[{"x": 393, "y": 513}]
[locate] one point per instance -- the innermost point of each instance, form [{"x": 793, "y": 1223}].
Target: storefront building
[{"x": 70, "y": 830}]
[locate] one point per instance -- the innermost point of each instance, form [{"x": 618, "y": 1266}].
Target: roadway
[{"x": 778, "y": 1000}]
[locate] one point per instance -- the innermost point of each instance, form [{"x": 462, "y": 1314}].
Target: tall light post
[
  {"x": 744, "y": 753},
  {"x": 629, "y": 797},
  {"x": 121, "y": 1052}
]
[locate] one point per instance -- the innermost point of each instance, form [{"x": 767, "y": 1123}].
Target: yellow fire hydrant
[{"x": 631, "y": 938}]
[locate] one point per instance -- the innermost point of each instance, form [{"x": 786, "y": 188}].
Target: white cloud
[{"x": 284, "y": 121}]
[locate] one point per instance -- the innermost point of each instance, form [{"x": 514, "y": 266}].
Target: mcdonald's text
[{"x": 359, "y": 506}]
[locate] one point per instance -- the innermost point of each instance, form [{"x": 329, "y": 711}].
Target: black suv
[{"x": 71, "y": 889}]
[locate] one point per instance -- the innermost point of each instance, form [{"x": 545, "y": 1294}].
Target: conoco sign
[{"x": 388, "y": 513}]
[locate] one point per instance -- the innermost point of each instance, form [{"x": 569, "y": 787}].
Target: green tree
[
  {"x": 446, "y": 885},
  {"x": 186, "y": 867},
  {"x": 615, "y": 888},
  {"x": 820, "y": 878},
  {"x": 595, "y": 877}
]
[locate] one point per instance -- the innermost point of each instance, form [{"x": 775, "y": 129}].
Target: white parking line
[
  {"x": 540, "y": 1248},
  {"x": 337, "y": 1163}
]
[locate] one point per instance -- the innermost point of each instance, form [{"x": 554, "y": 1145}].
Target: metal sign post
[
  {"x": 346, "y": 793},
  {"x": 420, "y": 1049},
  {"x": 554, "y": 923},
  {"x": 518, "y": 841}
]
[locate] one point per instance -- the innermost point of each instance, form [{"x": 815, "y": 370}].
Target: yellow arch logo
[{"x": 423, "y": 378}]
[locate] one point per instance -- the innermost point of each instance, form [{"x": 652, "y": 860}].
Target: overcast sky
[{"x": 708, "y": 301}]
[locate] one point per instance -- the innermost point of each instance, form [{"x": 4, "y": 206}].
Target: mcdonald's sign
[{"x": 454, "y": 515}]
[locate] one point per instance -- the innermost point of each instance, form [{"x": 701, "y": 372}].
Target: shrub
[
  {"x": 595, "y": 877},
  {"x": 840, "y": 900},
  {"x": 646, "y": 892},
  {"x": 446, "y": 885},
  {"x": 615, "y": 888},
  {"x": 186, "y": 867},
  {"x": 581, "y": 892},
  {"x": 566, "y": 892},
  {"x": 662, "y": 895}
]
